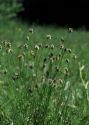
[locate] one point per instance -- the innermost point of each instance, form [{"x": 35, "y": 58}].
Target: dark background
[{"x": 64, "y": 13}]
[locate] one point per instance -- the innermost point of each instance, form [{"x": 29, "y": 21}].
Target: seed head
[
  {"x": 57, "y": 58},
  {"x": 33, "y": 75},
  {"x": 46, "y": 46},
  {"x": 30, "y": 91},
  {"x": 31, "y": 30},
  {"x": 43, "y": 78},
  {"x": 8, "y": 44},
  {"x": 9, "y": 50},
  {"x": 27, "y": 38},
  {"x": 51, "y": 59},
  {"x": 62, "y": 47},
  {"x": 69, "y": 50},
  {"x": 50, "y": 81},
  {"x": 57, "y": 68},
  {"x": 36, "y": 47},
  {"x": 21, "y": 57},
  {"x": 36, "y": 86},
  {"x": 40, "y": 45},
  {"x": 32, "y": 53},
  {"x": 62, "y": 39},
  {"x": 67, "y": 60},
  {"x": 26, "y": 46},
  {"x": 2, "y": 42},
  {"x": 50, "y": 55},
  {"x": 44, "y": 65},
  {"x": 74, "y": 57},
  {"x": 66, "y": 69},
  {"x": 49, "y": 36},
  {"x": 5, "y": 43},
  {"x": 70, "y": 30},
  {"x": 52, "y": 46},
  {"x": 54, "y": 58},
  {"x": 45, "y": 59},
  {"x": 60, "y": 81},
  {"x": 5, "y": 71},
  {"x": 66, "y": 73},
  {"x": 59, "y": 55},
  {"x": 65, "y": 49},
  {"x": 15, "y": 76},
  {"x": 54, "y": 81},
  {"x": 31, "y": 66}
]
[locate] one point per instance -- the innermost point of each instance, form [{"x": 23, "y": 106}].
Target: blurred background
[
  {"x": 70, "y": 12},
  {"x": 64, "y": 13}
]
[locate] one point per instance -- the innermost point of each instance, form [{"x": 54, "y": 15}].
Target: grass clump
[{"x": 41, "y": 83}]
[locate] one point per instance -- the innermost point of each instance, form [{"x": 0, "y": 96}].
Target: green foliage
[
  {"x": 41, "y": 80},
  {"x": 9, "y": 8}
]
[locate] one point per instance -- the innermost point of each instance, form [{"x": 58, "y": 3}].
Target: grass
[{"x": 41, "y": 80}]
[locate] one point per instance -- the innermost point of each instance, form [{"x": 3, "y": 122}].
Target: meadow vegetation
[{"x": 43, "y": 75}]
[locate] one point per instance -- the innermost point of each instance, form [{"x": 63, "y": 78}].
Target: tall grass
[{"x": 42, "y": 80}]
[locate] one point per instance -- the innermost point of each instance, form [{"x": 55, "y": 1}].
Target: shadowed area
[{"x": 63, "y": 13}]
